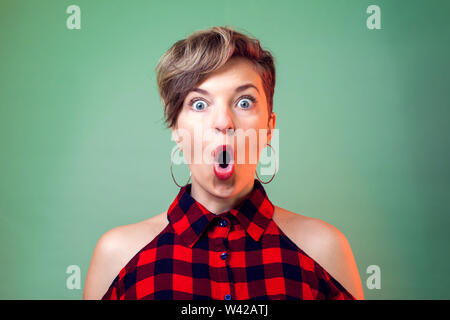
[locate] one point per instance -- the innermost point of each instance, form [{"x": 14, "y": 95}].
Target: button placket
[{"x": 221, "y": 230}]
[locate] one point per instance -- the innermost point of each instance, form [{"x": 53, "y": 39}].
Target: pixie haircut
[{"x": 189, "y": 61}]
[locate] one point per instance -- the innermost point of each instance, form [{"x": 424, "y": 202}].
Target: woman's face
[{"x": 228, "y": 108}]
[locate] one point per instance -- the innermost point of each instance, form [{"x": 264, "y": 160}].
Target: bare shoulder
[
  {"x": 114, "y": 250},
  {"x": 325, "y": 243}
]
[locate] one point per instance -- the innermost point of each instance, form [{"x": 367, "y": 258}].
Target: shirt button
[
  {"x": 223, "y": 223},
  {"x": 227, "y": 297},
  {"x": 223, "y": 255}
]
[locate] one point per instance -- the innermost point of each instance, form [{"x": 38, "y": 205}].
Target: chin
[{"x": 224, "y": 188}]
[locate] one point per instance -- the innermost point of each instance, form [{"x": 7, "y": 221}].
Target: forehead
[{"x": 235, "y": 72}]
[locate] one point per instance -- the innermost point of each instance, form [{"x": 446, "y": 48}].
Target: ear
[
  {"x": 175, "y": 135},
  {"x": 271, "y": 126}
]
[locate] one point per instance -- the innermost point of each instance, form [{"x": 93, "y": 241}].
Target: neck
[{"x": 215, "y": 204}]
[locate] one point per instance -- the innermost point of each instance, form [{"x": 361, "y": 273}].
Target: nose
[{"x": 223, "y": 119}]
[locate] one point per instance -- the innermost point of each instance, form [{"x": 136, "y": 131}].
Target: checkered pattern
[{"x": 239, "y": 254}]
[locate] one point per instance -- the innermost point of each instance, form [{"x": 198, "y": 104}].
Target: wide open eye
[
  {"x": 246, "y": 101},
  {"x": 199, "y": 105}
]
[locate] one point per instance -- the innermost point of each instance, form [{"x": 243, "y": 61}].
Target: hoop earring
[
  {"x": 275, "y": 172},
  {"x": 171, "y": 171}
]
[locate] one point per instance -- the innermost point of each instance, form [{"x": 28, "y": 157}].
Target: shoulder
[
  {"x": 324, "y": 243},
  {"x": 115, "y": 249}
]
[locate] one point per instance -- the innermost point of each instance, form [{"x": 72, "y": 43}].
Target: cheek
[
  {"x": 197, "y": 148},
  {"x": 250, "y": 144}
]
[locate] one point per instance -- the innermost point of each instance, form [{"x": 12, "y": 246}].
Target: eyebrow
[{"x": 238, "y": 89}]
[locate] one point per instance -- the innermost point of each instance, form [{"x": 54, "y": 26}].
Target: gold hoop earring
[
  {"x": 171, "y": 170},
  {"x": 275, "y": 172}
]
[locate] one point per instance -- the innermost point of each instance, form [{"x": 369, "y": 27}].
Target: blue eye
[
  {"x": 197, "y": 104},
  {"x": 245, "y": 102},
  {"x": 246, "y": 105}
]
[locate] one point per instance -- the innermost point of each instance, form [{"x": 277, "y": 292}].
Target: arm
[
  {"x": 325, "y": 244},
  {"x": 333, "y": 252},
  {"x": 105, "y": 264}
]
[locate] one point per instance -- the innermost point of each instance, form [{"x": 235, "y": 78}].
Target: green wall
[{"x": 363, "y": 118}]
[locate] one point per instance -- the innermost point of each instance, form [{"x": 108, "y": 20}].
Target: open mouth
[
  {"x": 224, "y": 161},
  {"x": 223, "y": 157}
]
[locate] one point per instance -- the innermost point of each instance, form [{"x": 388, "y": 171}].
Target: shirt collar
[{"x": 189, "y": 218}]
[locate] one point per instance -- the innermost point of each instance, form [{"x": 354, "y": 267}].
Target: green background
[{"x": 363, "y": 118}]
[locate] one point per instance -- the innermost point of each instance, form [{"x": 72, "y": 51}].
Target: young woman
[{"x": 221, "y": 237}]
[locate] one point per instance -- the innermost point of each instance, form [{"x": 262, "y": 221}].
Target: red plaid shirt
[{"x": 239, "y": 254}]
